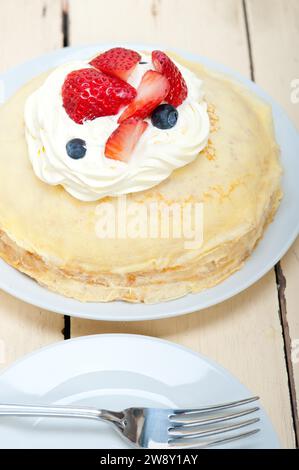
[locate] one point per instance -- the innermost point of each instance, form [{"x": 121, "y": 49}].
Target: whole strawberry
[
  {"x": 88, "y": 94},
  {"x": 118, "y": 62},
  {"x": 178, "y": 88}
]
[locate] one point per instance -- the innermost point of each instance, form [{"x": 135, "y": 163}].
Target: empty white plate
[
  {"x": 113, "y": 371},
  {"x": 278, "y": 237}
]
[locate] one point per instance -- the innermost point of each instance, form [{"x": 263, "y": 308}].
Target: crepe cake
[{"x": 178, "y": 133}]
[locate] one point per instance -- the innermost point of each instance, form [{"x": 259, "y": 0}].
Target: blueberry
[
  {"x": 165, "y": 116},
  {"x": 76, "y": 148}
]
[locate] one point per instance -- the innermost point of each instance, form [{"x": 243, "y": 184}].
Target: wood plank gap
[
  {"x": 252, "y": 74},
  {"x": 65, "y": 23},
  {"x": 281, "y": 286},
  {"x": 67, "y": 330}
]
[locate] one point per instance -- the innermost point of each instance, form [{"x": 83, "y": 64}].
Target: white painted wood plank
[
  {"x": 244, "y": 334},
  {"x": 214, "y": 28},
  {"x": 290, "y": 267},
  {"x": 28, "y": 28},
  {"x": 274, "y": 26},
  {"x": 24, "y": 328}
]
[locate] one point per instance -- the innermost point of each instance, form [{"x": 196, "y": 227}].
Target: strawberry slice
[
  {"x": 118, "y": 62},
  {"x": 154, "y": 87},
  {"x": 178, "y": 88},
  {"x": 123, "y": 140},
  {"x": 88, "y": 94}
]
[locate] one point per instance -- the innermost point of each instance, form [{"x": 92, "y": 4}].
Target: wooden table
[{"x": 253, "y": 333}]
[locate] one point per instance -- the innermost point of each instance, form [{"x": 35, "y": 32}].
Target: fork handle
[{"x": 59, "y": 411}]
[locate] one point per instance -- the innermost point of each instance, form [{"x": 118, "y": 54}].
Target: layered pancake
[{"x": 50, "y": 234}]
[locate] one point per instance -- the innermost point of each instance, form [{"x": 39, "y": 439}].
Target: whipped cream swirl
[{"x": 157, "y": 154}]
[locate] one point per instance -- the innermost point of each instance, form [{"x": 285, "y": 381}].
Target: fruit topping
[
  {"x": 164, "y": 116},
  {"x": 153, "y": 89},
  {"x": 124, "y": 139},
  {"x": 76, "y": 148},
  {"x": 88, "y": 94},
  {"x": 118, "y": 62},
  {"x": 178, "y": 89}
]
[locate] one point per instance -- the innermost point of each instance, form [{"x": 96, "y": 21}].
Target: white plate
[
  {"x": 278, "y": 237},
  {"x": 113, "y": 371}
]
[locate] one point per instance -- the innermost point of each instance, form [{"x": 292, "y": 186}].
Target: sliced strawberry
[
  {"x": 88, "y": 94},
  {"x": 123, "y": 140},
  {"x": 152, "y": 90},
  {"x": 118, "y": 62},
  {"x": 178, "y": 88}
]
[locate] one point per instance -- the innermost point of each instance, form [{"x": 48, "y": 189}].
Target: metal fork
[{"x": 159, "y": 428}]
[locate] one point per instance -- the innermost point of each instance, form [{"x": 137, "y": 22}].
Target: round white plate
[
  {"x": 113, "y": 371},
  {"x": 278, "y": 237}
]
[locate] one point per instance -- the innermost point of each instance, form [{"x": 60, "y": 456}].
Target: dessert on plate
[{"x": 93, "y": 152}]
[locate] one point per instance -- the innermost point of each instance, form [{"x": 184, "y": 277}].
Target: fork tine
[
  {"x": 203, "y": 443},
  {"x": 219, "y": 407},
  {"x": 210, "y": 431},
  {"x": 183, "y": 423}
]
